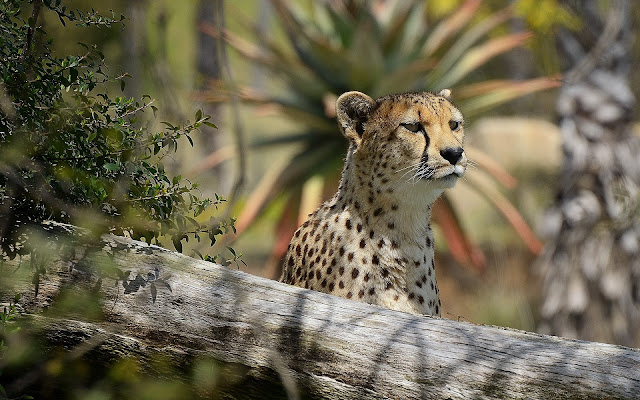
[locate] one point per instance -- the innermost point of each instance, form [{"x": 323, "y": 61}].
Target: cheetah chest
[{"x": 341, "y": 254}]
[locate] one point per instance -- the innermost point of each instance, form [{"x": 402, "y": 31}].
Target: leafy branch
[{"x": 72, "y": 152}]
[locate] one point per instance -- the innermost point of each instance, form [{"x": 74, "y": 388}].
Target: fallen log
[{"x": 276, "y": 340}]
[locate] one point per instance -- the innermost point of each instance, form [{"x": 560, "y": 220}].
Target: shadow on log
[{"x": 276, "y": 341}]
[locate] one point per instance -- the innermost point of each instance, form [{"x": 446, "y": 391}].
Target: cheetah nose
[{"x": 452, "y": 154}]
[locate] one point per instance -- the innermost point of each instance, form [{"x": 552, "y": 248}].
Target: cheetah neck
[
  {"x": 402, "y": 211},
  {"x": 393, "y": 223}
]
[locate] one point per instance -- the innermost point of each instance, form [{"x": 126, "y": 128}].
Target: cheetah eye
[
  {"x": 414, "y": 127},
  {"x": 454, "y": 125}
]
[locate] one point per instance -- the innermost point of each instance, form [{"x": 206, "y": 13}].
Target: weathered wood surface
[{"x": 283, "y": 339}]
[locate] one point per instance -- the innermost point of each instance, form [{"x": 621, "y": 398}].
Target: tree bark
[
  {"x": 134, "y": 42},
  {"x": 210, "y": 55},
  {"x": 591, "y": 264},
  {"x": 277, "y": 340}
]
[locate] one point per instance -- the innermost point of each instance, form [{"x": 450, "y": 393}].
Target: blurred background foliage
[
  {"x": 271, "y": 93},
  {"x": 377, "y": 48}
]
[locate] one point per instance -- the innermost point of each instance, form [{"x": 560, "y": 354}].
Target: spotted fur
[{"x": 372, "y": 241}]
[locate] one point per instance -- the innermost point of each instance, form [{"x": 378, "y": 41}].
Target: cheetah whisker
[
  {"x": 413, "y": 170},
  {"x": 422, "y": 173},
  {"x": 413, "y": 175},
  {"x": 409, "y": 167}
]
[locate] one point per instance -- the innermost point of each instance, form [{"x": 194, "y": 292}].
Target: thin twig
[
  {"x": 34, "y": 17},
  {"x": 612, "y": 28}
]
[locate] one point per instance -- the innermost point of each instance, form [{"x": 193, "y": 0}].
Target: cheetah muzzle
[{"x": 372, "y": 241}]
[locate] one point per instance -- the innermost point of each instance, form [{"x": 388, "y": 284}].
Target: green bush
[{"x": 72, "y": 152}]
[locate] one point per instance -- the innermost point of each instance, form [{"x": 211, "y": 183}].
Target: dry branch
[{"x": 276, "y": 339}]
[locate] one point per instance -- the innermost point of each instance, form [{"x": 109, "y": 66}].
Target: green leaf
[
  {"x": 231, "y": 250},
  {"x": 177, "y": 243},
  {"x": 73, "y": 75}
]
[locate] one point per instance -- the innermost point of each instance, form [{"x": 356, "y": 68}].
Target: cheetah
[{"x": 372, "y": 242}]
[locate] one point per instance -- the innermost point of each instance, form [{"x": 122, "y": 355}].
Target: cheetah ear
[
  {"x": 446, "y": 93},
  {"x": 353, "y": 110}
]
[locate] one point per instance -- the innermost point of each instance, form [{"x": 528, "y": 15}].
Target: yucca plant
[{"x": 377, "y": 48}]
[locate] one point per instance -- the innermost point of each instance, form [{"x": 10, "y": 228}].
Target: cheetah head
[{"x": 418, "y": 136}]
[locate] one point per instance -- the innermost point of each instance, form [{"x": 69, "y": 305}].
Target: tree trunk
[
  {"x": 210, "y": 55},
  {"x": 277, "y": 340},
  {"x": 591, "y": 264},
  {"x": 134, "y": 42}
]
